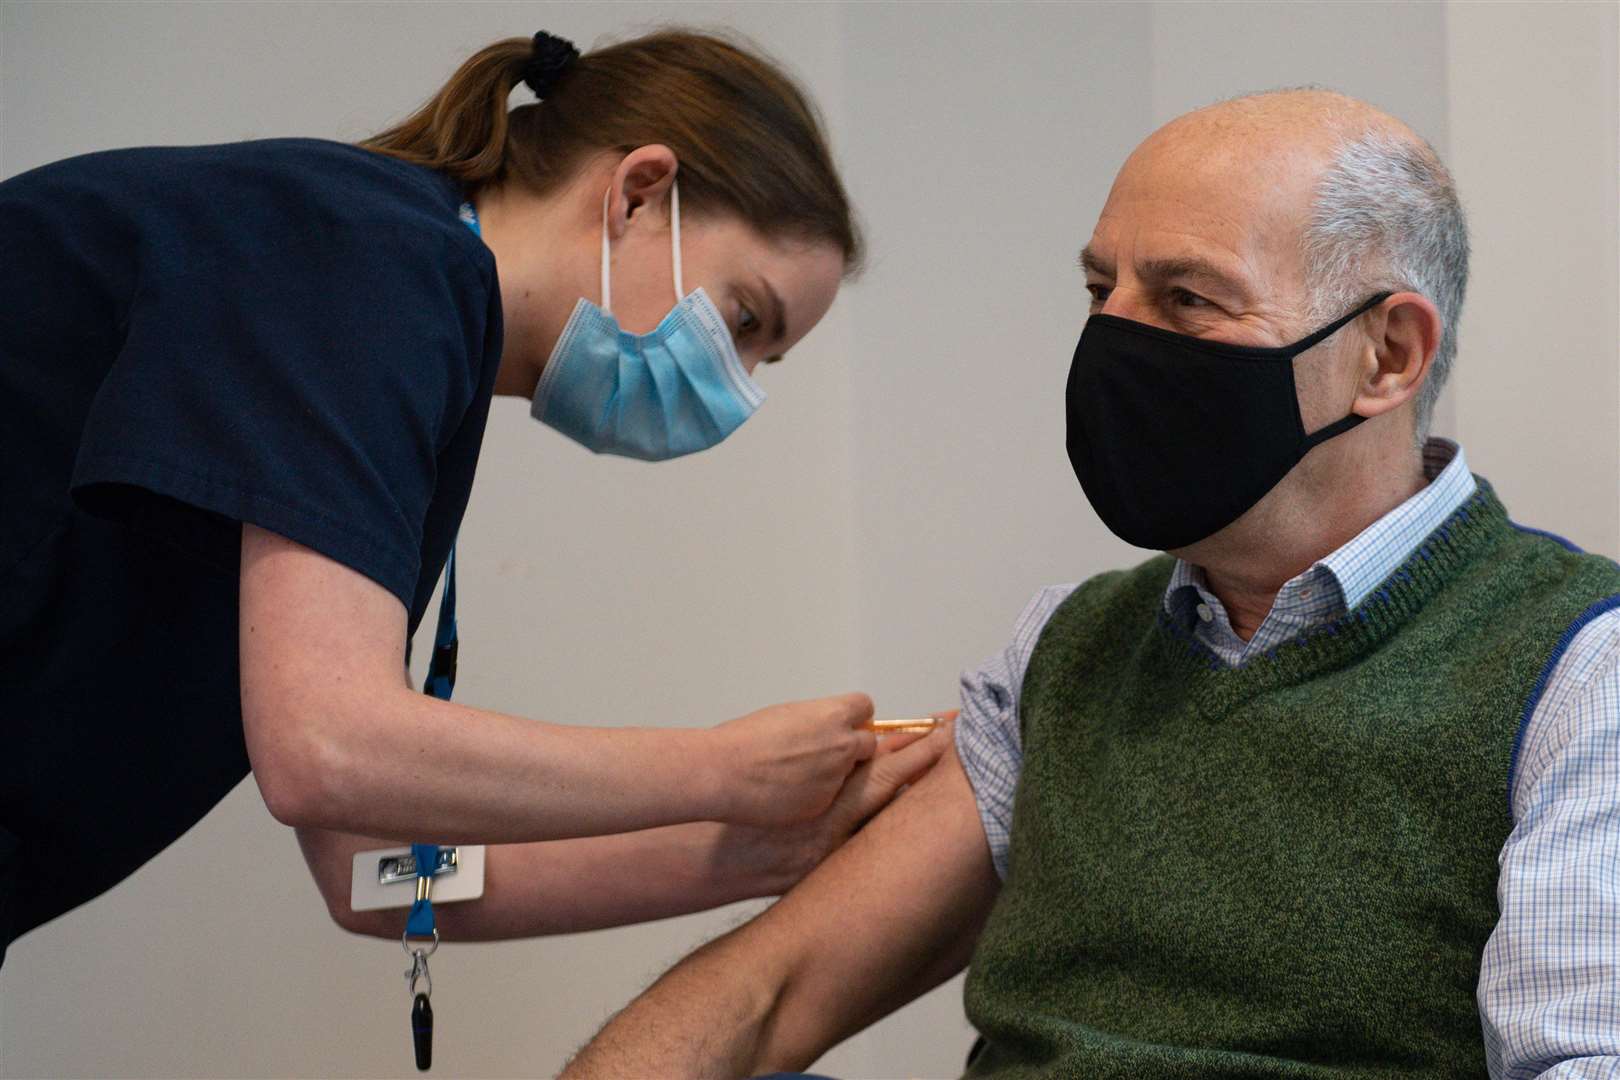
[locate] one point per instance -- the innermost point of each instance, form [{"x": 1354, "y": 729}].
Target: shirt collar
[
  {"x": 1379, "y": 550},
  {"x": 1343, "y": 579}
]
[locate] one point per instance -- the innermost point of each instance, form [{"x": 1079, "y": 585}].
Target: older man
[{"x": 1331, "y": 791}]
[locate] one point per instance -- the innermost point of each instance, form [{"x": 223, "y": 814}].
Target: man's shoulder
[
  {"x": 1572, "y": 560},
  {"x": 1545, "y": 576},
  {"x": 1479, "y": 572}
]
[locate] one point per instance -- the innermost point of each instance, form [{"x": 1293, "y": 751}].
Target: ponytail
[
  {"x": 748, "y": 140},
  {"x": 462, "y": 129}
]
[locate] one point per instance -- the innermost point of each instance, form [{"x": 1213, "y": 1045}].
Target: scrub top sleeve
[{"x": 307, "y": 386}]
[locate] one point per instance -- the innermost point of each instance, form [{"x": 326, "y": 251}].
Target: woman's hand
[
  {"x": 779, "y": 857},
  {"x": 785, "y": 764}
]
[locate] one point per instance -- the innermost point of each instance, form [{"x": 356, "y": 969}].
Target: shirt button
[{"x": 1204, "y": 613}]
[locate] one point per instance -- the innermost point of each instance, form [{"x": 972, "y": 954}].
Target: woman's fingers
[
  {"x": 794, "y": 761},
  {"x": 899, "y": 741},
  {"x": 875, "y": 784},
  {"x": 854, "y": 711},
  {"x": 855, "y": 708}
]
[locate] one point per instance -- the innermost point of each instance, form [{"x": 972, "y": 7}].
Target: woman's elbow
[
  {"x": 330, "y": 857},
  {"x": 300, "y": 772}
]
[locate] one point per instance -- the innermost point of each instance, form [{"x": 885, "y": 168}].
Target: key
[
  {"x": 422, "y": 1032},
  {"x": 421, "y": 1009}
]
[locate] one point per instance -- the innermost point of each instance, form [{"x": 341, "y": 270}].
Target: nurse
[{"x": 245, "y": 388}]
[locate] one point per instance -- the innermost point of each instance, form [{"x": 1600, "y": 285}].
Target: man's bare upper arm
[{"x": 893, "y": 913}]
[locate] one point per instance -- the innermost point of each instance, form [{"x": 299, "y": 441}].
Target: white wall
[
  {"x": 1534, "y": 146},
  {"x": 882, "y": 520}
]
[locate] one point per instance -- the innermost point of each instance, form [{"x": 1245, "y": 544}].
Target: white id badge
[{"x": 387, "y": 878}]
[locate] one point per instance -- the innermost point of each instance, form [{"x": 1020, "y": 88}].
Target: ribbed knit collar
[{"x": 1472, "y": 530}]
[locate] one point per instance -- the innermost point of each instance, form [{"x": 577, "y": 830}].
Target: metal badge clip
[
  {"x": 386, "y": 877},
  {"x": 396, "y": 868}
]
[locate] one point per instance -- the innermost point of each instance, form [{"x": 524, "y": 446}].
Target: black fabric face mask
[{"x": 1173, "y": 437}]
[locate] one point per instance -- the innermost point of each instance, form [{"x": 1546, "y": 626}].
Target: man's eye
[
  {"x": 1099, "y": 293},
  {"x": 746, "y": 322},
  {"x": 1183, "y": 298}
]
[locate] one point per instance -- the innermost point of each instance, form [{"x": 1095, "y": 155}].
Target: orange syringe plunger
[{"x": 920, "y": 725}]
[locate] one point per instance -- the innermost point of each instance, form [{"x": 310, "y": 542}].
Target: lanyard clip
[
  {"x": 418, "y": 971},
  {"x": 421, "y": 1008}
]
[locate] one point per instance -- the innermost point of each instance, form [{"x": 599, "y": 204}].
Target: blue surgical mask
[{"x": 676, "y": 390}]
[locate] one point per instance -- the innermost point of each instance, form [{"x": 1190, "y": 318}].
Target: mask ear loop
[
  {"x": 1336, "y": 325},
  {"x": 607, "y": 285},
  {"x": 1338, "y": 427},
  {"x": 674, "y": 243},
  {"x": 675, "y": 236}
]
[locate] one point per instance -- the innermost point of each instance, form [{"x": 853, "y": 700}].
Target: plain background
[{"x": 881, "y": 521}]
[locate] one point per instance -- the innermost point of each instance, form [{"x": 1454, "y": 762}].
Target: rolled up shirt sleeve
[
  {"x": 1549, "y": 988},
  {"x": 987, "y": 735}
]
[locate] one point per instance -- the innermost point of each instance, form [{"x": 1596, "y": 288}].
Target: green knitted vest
[{"x": 1286, "y": 869}]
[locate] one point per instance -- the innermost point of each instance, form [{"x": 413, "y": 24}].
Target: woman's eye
[{"x": 746, "y": 322}]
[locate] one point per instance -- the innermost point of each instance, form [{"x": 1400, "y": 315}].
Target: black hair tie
[{"x": 552, "y": 58}]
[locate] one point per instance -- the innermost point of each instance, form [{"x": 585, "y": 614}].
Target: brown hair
[{"x": 748, "y": 140}]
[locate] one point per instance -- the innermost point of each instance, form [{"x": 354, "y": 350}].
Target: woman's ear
[
  {"x": 1405, "y": 336},
  {"x": 640, "y": 182}
]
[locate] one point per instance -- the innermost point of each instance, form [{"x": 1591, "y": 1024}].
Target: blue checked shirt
[{"x": 1549, "y": 983}]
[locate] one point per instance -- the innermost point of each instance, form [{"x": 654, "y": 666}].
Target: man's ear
[
  {"x": 1404, "y": 334},
  {"x": 640, "y": 182}
]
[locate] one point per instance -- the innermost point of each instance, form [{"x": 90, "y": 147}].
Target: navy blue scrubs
[{"x": 294, "y": 333}]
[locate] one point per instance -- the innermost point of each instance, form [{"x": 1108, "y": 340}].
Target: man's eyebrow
[
  {"x": 1187, "y": 266},
  {"x": 1158, "y": 271}
]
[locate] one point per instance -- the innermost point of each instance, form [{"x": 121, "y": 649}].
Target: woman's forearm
[
  {"x": 338, "y": 740},
  {"x": 563, "y": 886},
  {"x": 406, "y": 765}
]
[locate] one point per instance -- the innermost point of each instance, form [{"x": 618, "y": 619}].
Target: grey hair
[{"x": 1386, "y": 217}]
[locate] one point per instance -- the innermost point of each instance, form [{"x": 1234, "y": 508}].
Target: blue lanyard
[{"x": 440, "y": 682}]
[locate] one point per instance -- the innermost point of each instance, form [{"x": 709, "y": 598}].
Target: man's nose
[{"x": 1128, "y": 303}]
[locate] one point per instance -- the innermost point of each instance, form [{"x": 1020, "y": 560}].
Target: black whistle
[{"x": 422, "y": 1032}]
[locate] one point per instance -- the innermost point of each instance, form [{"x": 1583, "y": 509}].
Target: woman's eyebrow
[{"x": 775, "y": 312}]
